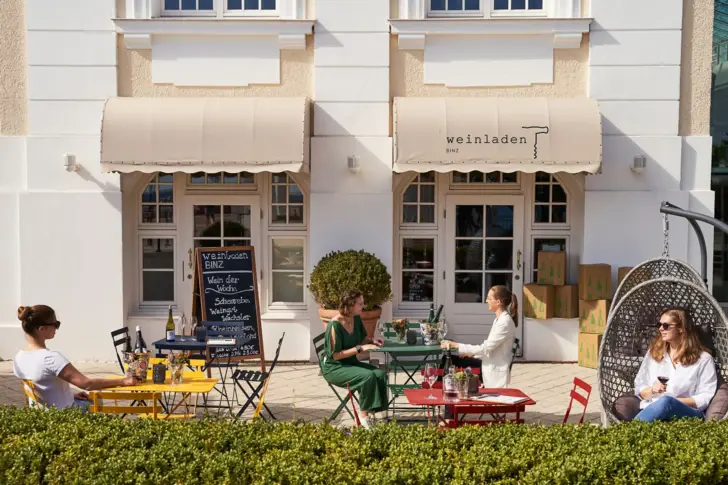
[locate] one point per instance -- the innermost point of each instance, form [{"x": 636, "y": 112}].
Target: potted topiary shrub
[{"x": 341, "y": 271}]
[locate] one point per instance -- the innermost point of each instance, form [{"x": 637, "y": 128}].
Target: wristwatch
[{"x": 358, "y": 349}]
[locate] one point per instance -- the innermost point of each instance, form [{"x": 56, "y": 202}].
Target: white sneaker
[{"x": 364, "y": 423}]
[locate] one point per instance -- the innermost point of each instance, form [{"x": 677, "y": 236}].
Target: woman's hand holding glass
[
  {"x": 448, "y": 344},
  {"x": 378, "y": 341},
  {"x": 658, "y": 388}
]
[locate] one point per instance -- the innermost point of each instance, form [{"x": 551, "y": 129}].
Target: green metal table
[{"x": 409, "y": 359}]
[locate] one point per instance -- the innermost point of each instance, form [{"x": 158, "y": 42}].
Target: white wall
[
  {"x": 634, "y": 73},
  {"x": 64, "y": 227},
  {"x": 351, "y": 113}
]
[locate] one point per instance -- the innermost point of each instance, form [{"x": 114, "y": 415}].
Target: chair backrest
[
  {"x": 653, "y": 269},
  {"x": 99, "y": 406},
  {"x": 278, "y": 353},
  {"x": 120, "y": 337},
  {"x": 514, "y": 351},
  {"x": 575, "y": 396},
  {"x": 632, "y": 325},
  {"x": 318, "y": 343},
  {"x": 32, "y": 399}
]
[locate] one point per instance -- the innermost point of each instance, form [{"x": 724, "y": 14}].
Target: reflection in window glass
[
  {"x": 157, "y": 201},
  {"x": 550, "y": 200},
  {"x": 418, "y": 269},
  {"x": 288, "y": 270},
  {"x": 157, "y": 270},
  {"x": 286, "y": 200}
]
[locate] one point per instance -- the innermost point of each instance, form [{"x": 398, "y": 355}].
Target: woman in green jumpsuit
[{"x": 345, "y": 338}]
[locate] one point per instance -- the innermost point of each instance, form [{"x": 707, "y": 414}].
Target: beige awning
[
  {"x": 497, "y": 134},
  {"x": 205, "y": 135}
]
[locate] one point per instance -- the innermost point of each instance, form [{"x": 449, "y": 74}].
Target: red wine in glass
[{"x": 663, "y": 379}]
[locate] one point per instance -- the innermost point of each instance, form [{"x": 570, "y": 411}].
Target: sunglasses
[
  {"x": 52, "y": 324},
  {"x": 665, "y": 326}
]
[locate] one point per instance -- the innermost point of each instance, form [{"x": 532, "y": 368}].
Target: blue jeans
[
  {"x": 666, "y": 408},
  {"x": 82, "y": 404}
]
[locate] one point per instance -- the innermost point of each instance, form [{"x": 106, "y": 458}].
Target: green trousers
[{"x": 367, "y": 380}]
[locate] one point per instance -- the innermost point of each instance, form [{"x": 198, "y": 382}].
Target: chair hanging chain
[{"x": 666, "y": 236}]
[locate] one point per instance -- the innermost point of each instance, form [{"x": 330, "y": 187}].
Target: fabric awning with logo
[
  {"x": 205, "y": 135},
  {"x": 497, "y": 134}
]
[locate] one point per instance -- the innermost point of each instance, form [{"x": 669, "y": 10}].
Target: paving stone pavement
[{"x": 299, "y": 392}]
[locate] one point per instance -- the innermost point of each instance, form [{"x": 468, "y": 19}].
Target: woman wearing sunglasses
[
  {"x": 50, "y": 372},
  {"x": 677, "y": 378}
]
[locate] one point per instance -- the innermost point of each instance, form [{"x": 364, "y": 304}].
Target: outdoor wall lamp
[
  {"x": 353, "y": 163},
  {"x": 638, "y": 164},
  {"x": 69, "y": 162}
]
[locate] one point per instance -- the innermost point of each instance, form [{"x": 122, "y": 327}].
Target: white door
[
  {"x": 484, "y": 248},
  {"x": 216, "y": 221}
]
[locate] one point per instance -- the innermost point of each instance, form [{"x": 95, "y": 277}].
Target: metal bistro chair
[
  {"x": 261, "y": 382},
  {"x": 318, "y": 343},
  {"x": 120, "y": 338}
]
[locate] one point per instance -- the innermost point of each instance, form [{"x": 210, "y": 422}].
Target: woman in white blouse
[
  {"x": 677, "y": 378},
  {"x": 497, "y": 351}
]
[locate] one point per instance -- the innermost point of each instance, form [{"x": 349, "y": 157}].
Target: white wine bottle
[{"x": 170, "y": 326}]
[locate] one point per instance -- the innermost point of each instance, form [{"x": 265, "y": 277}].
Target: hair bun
[{"x": 24, "y": 312}]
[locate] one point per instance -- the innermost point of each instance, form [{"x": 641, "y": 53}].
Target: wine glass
[
  {"x": 382, "y": 327},
  {"x": 663, "y": 380},
  {"x": 431, "y": 377},
  {"x": 193, "y": 326},
  {"x": 442, "y": 329}
]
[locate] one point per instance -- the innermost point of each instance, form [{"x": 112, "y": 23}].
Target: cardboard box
[
  {"x": 595, "y": 282},
  {"x": 538, "y": 301},
  {"x": 589, "y": 350},
  {"x": 566, "y": 301},
  {"x": 621, "y": 273},
  {"x": 551, "y": 268},
  {"x": 593, "y": 316}
]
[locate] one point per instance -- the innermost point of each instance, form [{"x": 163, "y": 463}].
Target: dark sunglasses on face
[
  {"x": 665, "y": 326},
  {"x": 53, "y": 324}
]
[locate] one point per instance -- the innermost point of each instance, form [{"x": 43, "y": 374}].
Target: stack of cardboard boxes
[
  {"x": 595, "y": 295},
  {"x": 551, "y": 297}
]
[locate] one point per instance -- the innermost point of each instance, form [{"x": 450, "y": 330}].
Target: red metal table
[{"x": 418, "y": 397}]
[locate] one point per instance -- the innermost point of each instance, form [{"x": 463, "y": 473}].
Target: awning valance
[
  {"x": 497, "y": 134},
  {"x": 205, "y": 135}
]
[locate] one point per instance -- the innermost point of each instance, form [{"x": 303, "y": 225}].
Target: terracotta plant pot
[{"x": 369, "y": 318}]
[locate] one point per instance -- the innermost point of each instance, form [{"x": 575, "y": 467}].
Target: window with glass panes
[
  {"x": 221, "y": 179},
  {"x": 157, "y": 281},
  {"x": 287, "y": 268},
  {"x": 476, "y": 178},
  {"x": 517, "y": 5},
  {"x": 550, "y": 201},
  {"x": 158, "y": 200},
  {"x": 418, "y": 200},
  {"x": 286, "y": 200},
  {"x": 418, "y": 269},
  {"x": 556, "y": 244},
  {"x": 251, "y": 6},
  {"x": 454, "y": 6}
]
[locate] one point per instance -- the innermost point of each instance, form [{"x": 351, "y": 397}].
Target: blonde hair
[
  {"x": 690, "y": 349},
  {"x": 508, "y": 299}
]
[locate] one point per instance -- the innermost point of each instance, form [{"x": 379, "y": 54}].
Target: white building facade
[{"x": 133, "y": 131}]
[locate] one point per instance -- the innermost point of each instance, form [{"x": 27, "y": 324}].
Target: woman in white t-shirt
[
  {"x": 677, "y": 378},
  {"x": 50, "y": 372}
]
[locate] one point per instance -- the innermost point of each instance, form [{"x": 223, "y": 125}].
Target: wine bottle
[
  {"x": 431, "y": 316},
  {"x": 439, "y": 312},
  {"x": 140, "y": 347},
  {"x": 170, "y": 326},
  {"x": 448, "y": 361}
]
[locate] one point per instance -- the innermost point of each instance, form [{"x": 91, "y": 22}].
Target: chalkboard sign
[
  {"x": 417, "y": 288},
  {"x": 227, "y": 289}
]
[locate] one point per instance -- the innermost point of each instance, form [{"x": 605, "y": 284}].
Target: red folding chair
[
  {"x": 353, "y": 405},
  {"x": 578, "y": 383}
]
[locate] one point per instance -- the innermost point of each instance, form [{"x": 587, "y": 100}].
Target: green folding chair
[{"x": 318, "y": 343}]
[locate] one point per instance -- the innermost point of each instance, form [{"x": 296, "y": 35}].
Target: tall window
[
  {"x": 418, "y": 201},
  {"x": 287, "y": 242},
  {"x": 286, "y": 200},
  {"x": 418, "y": 269},
  {"x": 550, "y": 204},
  {"x": 157, "y": 241},
  {"x": 158, "y": 200}
]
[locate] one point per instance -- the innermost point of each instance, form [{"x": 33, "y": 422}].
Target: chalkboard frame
[{"x": 199, "y": 299}]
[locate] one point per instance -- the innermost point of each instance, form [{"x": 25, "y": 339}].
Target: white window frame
[
  {"x": 155, "y": 234},
  {"x": 485, "y": 185},
  {"x": 454, "y": 13},
  {"x": 156, "y": 225},
  {"x": 278, "y": 227},
  {"x": 286, "y": 306},
  {"x": 220, "y": 10},
  {"x": 560, "y": 234},
  {"x": 397, "y": 279},
  {"x": 542, "y": 12},
  {"x": 218, "y": 188},
  {"x": 551, "y": 225},
  {"x": 251, "y": 13},
  {"x": 401, "y": 203}
]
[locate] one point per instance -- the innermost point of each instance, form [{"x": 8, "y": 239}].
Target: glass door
[
  {"x": 484, "y": 249},
  {"x": 217, "y": 221}
]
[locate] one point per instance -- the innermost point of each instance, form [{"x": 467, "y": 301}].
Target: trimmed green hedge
[{"x": 66, "y": 447}]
